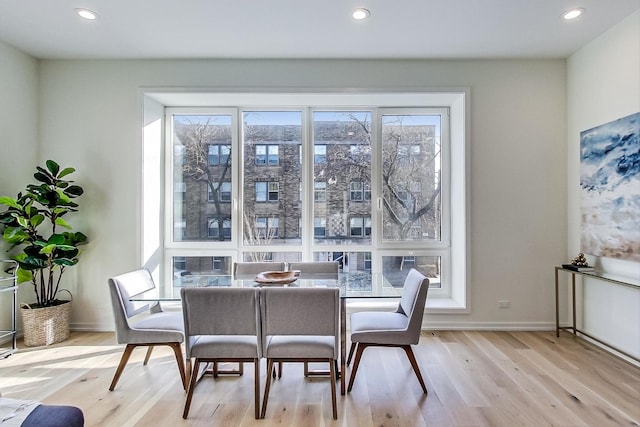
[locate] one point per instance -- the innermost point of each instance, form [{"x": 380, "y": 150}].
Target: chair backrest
[
  {"x": 253, "y": 268},
  {"x": 121, "y": 289},
  {"x": 300, "y": 311},
  {"x": 127, "y": 285},
  {"x": 413, "y": 300},
  {"x": 225, "y": 309},
  {"x": 315, "y": 267},
  {"x": 220, "y": 311}
]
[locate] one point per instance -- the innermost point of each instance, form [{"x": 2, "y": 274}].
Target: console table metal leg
[
  {"x": 573, "y": 301},
  {"x": 557, "y": 308}
]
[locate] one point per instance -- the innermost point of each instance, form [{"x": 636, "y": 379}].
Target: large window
[{"x": 370, "y": 187}]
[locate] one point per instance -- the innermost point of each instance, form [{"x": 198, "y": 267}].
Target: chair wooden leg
[
  {"x": 279, "y": 370},
  {"x": 187, "y": 371},
  {"x": 192, "y": 385},
  {"x": 267, "y": 385},
  {"x": 407, "y": 349},
  {"x": 177, "y": 349},
  {"x": 332, "y": 373},
  {"x": 123, "y": 362},
  {"x": 148, "y": 355},
  {"x": 353, "y": 347},
  {"x": 356, "y": 363},
  {"x": 256, "y": 387}
]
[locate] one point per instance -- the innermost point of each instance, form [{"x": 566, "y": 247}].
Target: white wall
[
  {"x": 604, "y": 85},
  {"x": 91, "y": 118},
  {"x": 18, "y": 118},
  {"x": 18, "y": 137}
]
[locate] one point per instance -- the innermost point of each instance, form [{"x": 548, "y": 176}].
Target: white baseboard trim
[
  {"x": 489, "y": 326},
  {"x": 427, "y": 326}
]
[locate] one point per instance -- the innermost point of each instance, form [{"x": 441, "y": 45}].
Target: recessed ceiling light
[
  {"x": 87, "y": 14},
  {"x": 572, "y": 14},
  {"x": 360, "y": 14}
]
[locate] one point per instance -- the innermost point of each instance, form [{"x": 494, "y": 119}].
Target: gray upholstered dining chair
[
  {"x": 400, "y": 328},
  {"x": 300, "y": 325},
  {"x": 221, "y": 325},
  {"x": 252, "y": 268},
  {"x": 306, "y": 268},
  {"x": 315, "y": 267},
  {"x": 156, "y": 328}
]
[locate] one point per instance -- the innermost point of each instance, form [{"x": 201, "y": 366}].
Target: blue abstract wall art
[{"x": 610, "y": 189}]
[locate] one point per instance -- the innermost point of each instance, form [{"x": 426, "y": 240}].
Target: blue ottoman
[{"x": 54, "y": 416}]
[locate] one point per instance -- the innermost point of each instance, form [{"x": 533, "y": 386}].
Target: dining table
[{"x": 354, "y": 286}]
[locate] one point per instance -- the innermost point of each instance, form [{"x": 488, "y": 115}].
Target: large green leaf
[
  {"x": 15, "y": 235},
  {"x": 65, "y": 261},
  {"x": 62, "y": 196},
  {"x": 74, "y": 190},
  {"x": 43, "y": 177},
  {"x": 57, "y": 239},
  {"x": 53, "y": 167},
  {"x": 37, "y": 220},
  {"x": 33, "y": 263},
  {"x": 65, "y": 172},
  {"x": 9, "y": 201},
  {"x": 61, "y": 222},
  {"x": 24, "y": 275},
  {"x": 48, "y": 249},
  {"x": 77, "y": 238}
]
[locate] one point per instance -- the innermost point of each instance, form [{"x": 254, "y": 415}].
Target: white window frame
[{"x": 456, "y": 101}]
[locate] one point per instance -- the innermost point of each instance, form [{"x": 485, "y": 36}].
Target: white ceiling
[{"x": 306, "y": 29}]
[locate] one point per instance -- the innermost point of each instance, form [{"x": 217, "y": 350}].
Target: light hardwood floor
[{"x": 474, "y": 379}]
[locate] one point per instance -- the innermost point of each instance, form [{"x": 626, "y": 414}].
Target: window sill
[{"x": 434, "y": 305}]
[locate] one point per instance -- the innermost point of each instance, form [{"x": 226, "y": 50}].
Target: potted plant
[{"x": 31, "y": 226}]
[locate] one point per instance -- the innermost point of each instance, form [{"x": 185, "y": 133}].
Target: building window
[
  {"x": 319, "y": 154},
  {"x": 319, "y": 227},
  {"x": 267, "y": 155},
  {"x": 219, "y": 154},
  {"x": 220, "y": 229},
  {"x": 360, "y": 227},
  {"x": 267, "y": 191},
  {"x": 320, "y": 191},
  {"x": 267, "y": 227},
  {"x": 359, "y": 191},
  {"x": 223, "y": 190}
]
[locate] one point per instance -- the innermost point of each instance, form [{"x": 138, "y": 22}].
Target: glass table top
[{"x": 358, "y": 285}]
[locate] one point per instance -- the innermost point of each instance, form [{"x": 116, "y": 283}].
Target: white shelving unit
[{"x": 9, "y": 289}]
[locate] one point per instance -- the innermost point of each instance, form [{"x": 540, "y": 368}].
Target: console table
[
  {"x": 590, "y": 275},
  {"x": 9, "y": 286}
]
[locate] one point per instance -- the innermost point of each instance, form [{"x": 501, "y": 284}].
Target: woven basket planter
[{"x": 47, "y": 325}]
